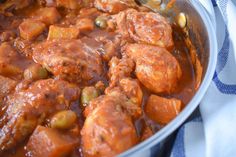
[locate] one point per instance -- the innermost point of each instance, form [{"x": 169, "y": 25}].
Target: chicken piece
[
  {"x": 12, "y": 64},
  {"x": 111, "y": 43},
  {"x": 47, "y": 15},
  {"x": 7, "y": 85},
  {"x": 116, "y": 94},
  {"x": 162, "y": 110},
  {"x": 30, "y": 105},
  {"x": 72, "y": 60},
  {"x": 119, "y": 75},
  {"x": 132, "y": 90},
  {"x": 119, "y": 69},
  {"x": 145, "y": 27},
  {"x": 30, "y": 29},
  {"x": 107, "y": 130},
  {"x": 56, "y": 32},
  {"x": 57, "y": 143},
  {"x": 156, "y": 68},
  {"x": 114, "y": 6}
]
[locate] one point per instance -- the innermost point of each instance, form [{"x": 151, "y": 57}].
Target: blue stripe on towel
[
  {"x": 224, "y": 88},
  {"x": 178, "y": 149},
  {"x": 223, "y": 54},
  {"x": 221, "y": 62}
]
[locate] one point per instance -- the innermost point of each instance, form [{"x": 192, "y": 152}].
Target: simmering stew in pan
[{"x": 89, "y": 78}]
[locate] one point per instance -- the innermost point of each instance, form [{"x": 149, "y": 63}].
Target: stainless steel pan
[{"x": 202, "y": 34}]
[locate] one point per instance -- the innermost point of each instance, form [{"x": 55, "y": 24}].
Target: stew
[{"x": 88, "y": 77}]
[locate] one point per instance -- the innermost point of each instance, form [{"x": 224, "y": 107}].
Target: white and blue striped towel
[{"x": 213, "y": 133}]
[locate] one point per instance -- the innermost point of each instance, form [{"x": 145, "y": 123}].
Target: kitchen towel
[{"x": 213, "y": 132}]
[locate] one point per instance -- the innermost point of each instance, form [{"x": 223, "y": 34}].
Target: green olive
[
  {"x": 88, "y": 94},
  {"x": 63, "y": 119},
  {"x": 101, "y": 22},
  {"x": 182, "y": 20},
  {"x": 35, "y": 72}
]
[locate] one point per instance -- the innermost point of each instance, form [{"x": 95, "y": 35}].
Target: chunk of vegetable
[
  {"x": 48, "y": 142},
  {"x": 35, "y": 72},
  {"x": 101, "y": 22},
  {"x": 56, "y": 32},
  {"x": 162, "y": 110},
  {"x": 63, "y": 119},
  {"x": 85, "y": 24},
  {"x": 30, "y": 29},
  {"x": 48, "y": 15},
  {"x": 88, "y": 94},
  {"x": 69, "y": 4},
  {"x": 9, "y": 70}
]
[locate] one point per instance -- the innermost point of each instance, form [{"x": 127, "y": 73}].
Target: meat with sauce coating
[
  {"x": 29, "y": 106},
  {"x": 71, "y": 60},
  {"x": 156, "y": 68},
  {"x": 145, "y": 27},
  {"x": 114, "y": 6},
  {"x": 119, "y": 69},
  {"x": 108, "y": 130}
]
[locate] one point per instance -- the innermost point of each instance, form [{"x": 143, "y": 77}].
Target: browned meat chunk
[
  {"x": 132, "y": 90},
  {"x": 30, "y": 29},
  {"x": 6, "y": 86},
  {"x": 111, "y": 43},
  {"x": 120, "y": 98},
  {"x": 47, "y": 15},
  {"x": 156, "y": 68},
  {"x": 56, "y": 143},
  {"x": 119, "y": 74},
  {"x": 12, "y": 64},
  {"x": 69, "y": 59},
  {"x": 145, "y": 27},
  {"x": 107, "y": 130},
  {"x": 119, "y": 69},
  {"x": 114, "y": 6},
  {"x": 162, "y": 110},
  {"x": 29, "y": 106}
]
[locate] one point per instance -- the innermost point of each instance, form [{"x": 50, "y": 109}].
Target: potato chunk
[
  {"x": 85, "y": 24},
  {"x": 69, "y": 4},
  {"x": 48, "y": 15},
  {"x": 56, "y": 32},
  {"x": 49, "y": 142},
  {"x": 162, "y": 110},
  {"x": 30, "y": 29}
]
